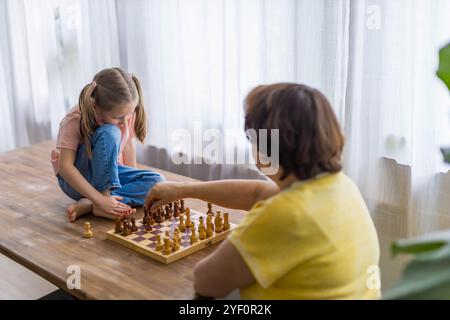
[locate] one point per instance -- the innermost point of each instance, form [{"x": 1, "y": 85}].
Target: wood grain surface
[{"x": 34, "y": 232}]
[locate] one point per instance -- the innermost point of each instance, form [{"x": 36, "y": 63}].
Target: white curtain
[
  {"x": 48, "y": 51},
  {"x": 30, "y": 83},
  {"x": 89, "y": 38},
  {"x": 197, "y": 60},
  {"x": 202, "y": 57},
  {"x": 397, "y": 109}
]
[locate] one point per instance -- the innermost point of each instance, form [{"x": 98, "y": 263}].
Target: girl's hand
[
  {"x": 164, "y": 193},
  {"x": 112, "y": 205}
]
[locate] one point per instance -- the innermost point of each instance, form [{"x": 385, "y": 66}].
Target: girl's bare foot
[
  {"x": 99, "y": 213},
  {"x": 81, "y": 207}
]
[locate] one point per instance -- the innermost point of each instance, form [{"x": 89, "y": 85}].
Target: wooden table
[{"x": 34, "y": 232}]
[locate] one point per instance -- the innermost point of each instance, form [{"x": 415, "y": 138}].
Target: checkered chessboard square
[{"x": 145, "y": 241}]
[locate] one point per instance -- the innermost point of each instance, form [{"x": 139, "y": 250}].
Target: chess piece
[
  {"x": 182, "y": 208},
  {"x": 193, "y": 237},
  {"x": 209, "y": 208},
  {"x": 181, "y": 224},
  {"x": 188, "y": 218},
  {"x": 226, "y": 223},
  {"x": 134, "y": 228},
  {"x": 167, "y": 246},
  {"x": 151, "y": 221},
  {"x": 118, "y": 228},
  {"x": 159, "y": 244},
  {"x": 178, "y": 244},
  {"x": 201, "y": 226},
  {"x": 87, "y": 230},
  {"x": 176, "y": 234},
  {"x": 209, "y": 228},
  {"x": 146, "y": 218},
  {"x": 218, "y": 223},
  {"x": 201, "y": 231},
  {"x": 162, "y": 214},
  {"x": 126, "y": 228},
  {"x": 176, "y": 210},
  {"x": 159, "y": 216},
  {"x": 167, "y": 233},
  {"x": 148, "y": 227},
  {"x": 168, "y": 213},
  {"x": 175, "y": 243}
]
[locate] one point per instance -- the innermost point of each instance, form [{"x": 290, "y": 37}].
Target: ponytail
[
  {"x": 87, "y": 122},
  {"x": 140, "y": 123},
  {"x": 109, "y": 88}
]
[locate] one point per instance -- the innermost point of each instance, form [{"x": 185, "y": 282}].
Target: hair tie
[{"x": 94, "y": 84}]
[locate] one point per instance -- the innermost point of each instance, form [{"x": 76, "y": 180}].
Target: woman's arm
[
  {"x": 129, "y": 154},
  {"x": 234, "y": 194},
  {"x": 73, "y": 176},
  {"x": 221, "y": 272}
]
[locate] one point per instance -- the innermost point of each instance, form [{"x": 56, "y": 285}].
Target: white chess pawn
[{"x": 87, "y": 230}]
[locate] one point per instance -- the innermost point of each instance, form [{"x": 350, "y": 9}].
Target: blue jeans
[{"x": 103, "y": 172}]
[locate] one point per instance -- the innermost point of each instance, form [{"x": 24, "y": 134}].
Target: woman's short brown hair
[{"x": 310, "y": 139}]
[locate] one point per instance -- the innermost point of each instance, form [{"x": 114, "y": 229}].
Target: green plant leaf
[
  {"x": 427, "y": 275},
  {"x": 422, "y": 244},
  {"x": 424, "y": 278},
  {"x": 443, "y": 71},
  {"x": 415, "y": 248}
]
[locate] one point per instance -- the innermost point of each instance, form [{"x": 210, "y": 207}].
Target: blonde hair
[{"x": 110, "y": 88}]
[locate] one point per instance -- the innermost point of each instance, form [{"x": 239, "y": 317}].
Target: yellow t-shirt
[{"x": 314, "y": 240}]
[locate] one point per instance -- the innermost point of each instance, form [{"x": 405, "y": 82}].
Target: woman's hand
[
  {"x": 164, "y": 193},
  {"x": 112, "y": 205}
]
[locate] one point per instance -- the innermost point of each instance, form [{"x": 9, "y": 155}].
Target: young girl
[
  {"x": 95, "y": 159},
  {"x": 308, "y": 233}
]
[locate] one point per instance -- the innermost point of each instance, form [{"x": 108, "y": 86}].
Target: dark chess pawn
[
  {"x": 147, "y": 216},
  {"x": 209, "y": 208},
  {"x": 163, "y": 214},
  {"x": 168, "y": 213},
  {"x": 159, "y": 216},
  {"x": 126, "y": 228},
  {"x": 118, "y": 228},
  {"x": 182, "y": 208},
  {"x": 134, "y": 228},
  {"x": 176, "y": 209},
  {"x": 151, "y": 220}
]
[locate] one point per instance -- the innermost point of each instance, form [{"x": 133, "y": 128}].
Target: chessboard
[{"x": 173, "y": 232}]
